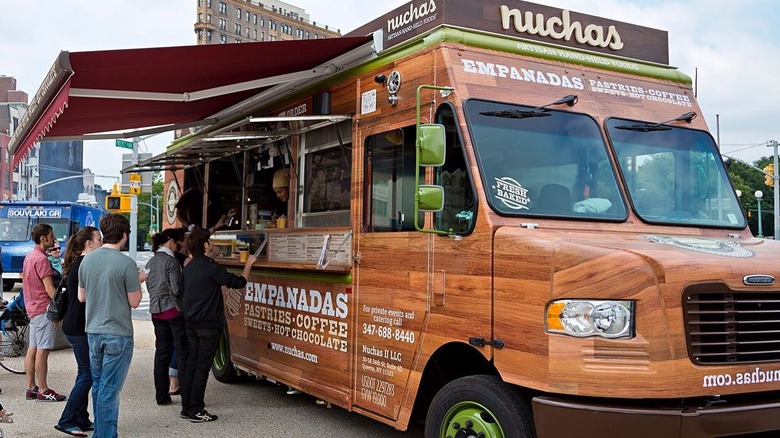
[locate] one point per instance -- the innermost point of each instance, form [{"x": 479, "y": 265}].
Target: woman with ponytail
[{"x": 75, "y": 417}]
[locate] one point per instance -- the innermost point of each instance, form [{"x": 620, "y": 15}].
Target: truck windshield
[
  {"x": 60, "y": 227},
  {"x": 674, "y": 175},
  {"x": 15, "y": 229},
  {"x": 541, "y": 162}
]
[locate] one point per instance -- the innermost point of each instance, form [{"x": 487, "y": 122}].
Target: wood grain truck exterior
[{"x": 507, "y": 222}]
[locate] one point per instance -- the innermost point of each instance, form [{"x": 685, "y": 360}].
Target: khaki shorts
[{"x": 42, "y": 333}]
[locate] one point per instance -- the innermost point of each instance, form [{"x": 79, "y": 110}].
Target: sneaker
[
  {"x": 202, "y": 417},
  {"x": 184, "y": 414},
  {"x": 50, "y": 396},
  {"x": 32, "y": 394}
]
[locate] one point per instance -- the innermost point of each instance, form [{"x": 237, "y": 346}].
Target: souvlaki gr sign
[{"x": 38, "y": 213}]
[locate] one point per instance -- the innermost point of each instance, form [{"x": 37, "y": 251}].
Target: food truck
[
  {"x": 502, "y": 220},
  {"x": 17, "y": 220}
]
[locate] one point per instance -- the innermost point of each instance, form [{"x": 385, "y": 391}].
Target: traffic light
[
  {"x": 118, "y": 203},
  {"x": 769, "y": 180}
]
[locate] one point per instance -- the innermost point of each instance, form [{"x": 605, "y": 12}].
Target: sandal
[
  {"x": 6, "y": 418},
  {"x": 74, "y": 431}
]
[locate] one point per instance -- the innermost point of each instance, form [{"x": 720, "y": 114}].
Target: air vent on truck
[{"x": 725, "y": 326}]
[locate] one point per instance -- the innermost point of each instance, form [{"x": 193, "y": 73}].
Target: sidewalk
[{"x": 244, "y": 410}]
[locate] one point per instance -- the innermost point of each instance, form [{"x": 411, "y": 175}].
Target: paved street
[{"x": 245, "y": 410}]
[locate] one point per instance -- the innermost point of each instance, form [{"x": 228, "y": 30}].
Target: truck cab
[{"x": 17, "y": 220}]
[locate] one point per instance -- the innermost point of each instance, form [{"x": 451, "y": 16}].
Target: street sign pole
[
  {"x": 776, "y": 232},
  {"x": 134, "y": 210}
]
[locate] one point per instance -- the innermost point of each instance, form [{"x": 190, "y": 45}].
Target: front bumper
[{"x": 557, "y": 417}]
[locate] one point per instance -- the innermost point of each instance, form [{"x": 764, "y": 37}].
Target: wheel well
[{"x": 451, "y": 361}]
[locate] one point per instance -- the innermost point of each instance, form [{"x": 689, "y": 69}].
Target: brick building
[
  {"x": 13, "y": 104},
  {"x": 238, "y": 21},
  {"x": 47, "y": 161}
]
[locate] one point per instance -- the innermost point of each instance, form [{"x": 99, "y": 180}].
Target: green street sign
[{"x": 124, "y": 144}]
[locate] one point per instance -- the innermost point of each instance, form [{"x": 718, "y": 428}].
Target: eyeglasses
[{"x": 55, "y": 249}]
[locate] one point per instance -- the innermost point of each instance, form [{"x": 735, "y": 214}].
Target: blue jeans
[
  {"x": 75, "y": 413},
  {"x": 169, "y": 333},
  {"x": 109, "y": 356}
]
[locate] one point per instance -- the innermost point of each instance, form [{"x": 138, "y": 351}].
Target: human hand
[
  {"x": 142, "y": 275},
  {"x": 220, "y": 223},
  {"x": 251, "y": 260}
]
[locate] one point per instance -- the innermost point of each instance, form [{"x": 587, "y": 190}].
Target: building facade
[
  {"x": 43, "y": 174},
  {"x": 239, "y": 21},
  {"x": 60, "y": 168},
  {"x": 13, "y": 104}
]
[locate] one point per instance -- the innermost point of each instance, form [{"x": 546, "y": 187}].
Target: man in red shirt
[{"x": 38, "y": 291}]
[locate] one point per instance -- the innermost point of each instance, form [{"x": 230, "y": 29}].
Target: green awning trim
[
  {"x": 519, "y": 46},
  {"x": 297, "y": 274},
  {"x": 473, "y": 38}
]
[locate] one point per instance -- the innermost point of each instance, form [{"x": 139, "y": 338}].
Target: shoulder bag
[{"x": 59, "y": 303}]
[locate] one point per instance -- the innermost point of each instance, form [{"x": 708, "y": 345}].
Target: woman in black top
[
  {"x": 75, "y": 417},
  {"x": 204, "y": 315}
]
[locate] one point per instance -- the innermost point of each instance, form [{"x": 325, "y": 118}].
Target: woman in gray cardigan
[{"x": 164, "y": 272}]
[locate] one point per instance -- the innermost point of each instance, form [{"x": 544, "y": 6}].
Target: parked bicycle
[{"x": 14, "y": 338}]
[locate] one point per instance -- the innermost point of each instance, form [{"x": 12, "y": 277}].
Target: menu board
[{"x": 307, "y": 248}]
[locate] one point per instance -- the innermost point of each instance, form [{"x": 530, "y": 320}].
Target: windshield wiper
[
  {"x": 517, "y": 114},
  {"x": 661, "y": 126},
  {"x": 644, "y": 127},
  {"x": 539, "y": 111}
]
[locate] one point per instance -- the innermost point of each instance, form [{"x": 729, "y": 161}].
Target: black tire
[
  {"x": 13, "y": 346},
  {"x": 222, "y": 368},
  {"x": 479, "y": 404}
]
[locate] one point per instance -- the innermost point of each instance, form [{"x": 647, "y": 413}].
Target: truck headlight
[{"x": 584, "y": 318}]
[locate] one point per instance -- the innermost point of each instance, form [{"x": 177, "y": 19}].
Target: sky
[{"x": 732, "y": 48}]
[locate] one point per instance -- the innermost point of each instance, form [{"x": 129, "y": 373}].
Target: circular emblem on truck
[
  {"x": 171, "y": 198},
  {"x": 394, "y": 82},
  {"x": 719, "y": 247}
]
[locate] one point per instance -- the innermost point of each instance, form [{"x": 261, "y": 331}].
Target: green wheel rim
[
  {"x": 469, "y": 418},
  {"x": 220, "y": 359}
]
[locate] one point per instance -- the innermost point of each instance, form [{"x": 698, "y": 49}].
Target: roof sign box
[{"x": 525, "y": 20}]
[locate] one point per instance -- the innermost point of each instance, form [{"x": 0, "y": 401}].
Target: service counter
[{"x": 321, "y": 249}]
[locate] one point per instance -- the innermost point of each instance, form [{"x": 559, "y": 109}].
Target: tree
[
  {"x": 747, "y": 180},
  {"x": 145, "y": 216}
]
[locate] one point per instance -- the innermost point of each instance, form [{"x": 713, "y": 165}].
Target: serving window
[{"x": 325, "y": 176}]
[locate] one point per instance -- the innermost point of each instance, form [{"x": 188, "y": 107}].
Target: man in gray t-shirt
[
  {"x": 107, "y": 276},
  {"x": 109, "y": 284}
]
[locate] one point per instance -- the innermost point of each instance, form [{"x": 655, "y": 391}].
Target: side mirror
[
  {"x": 432, "y": 142},
  {"x": 430, "y": 198}
]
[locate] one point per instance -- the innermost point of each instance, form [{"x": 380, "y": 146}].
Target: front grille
[{"x": 725, "y": 326}]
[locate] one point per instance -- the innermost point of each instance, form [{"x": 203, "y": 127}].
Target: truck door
[
  {"x": 391, "y": 274},
  {"x": 460, "y": 291}
]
